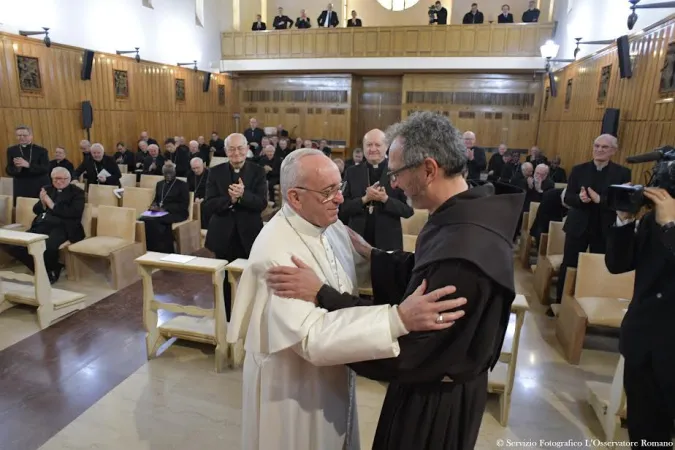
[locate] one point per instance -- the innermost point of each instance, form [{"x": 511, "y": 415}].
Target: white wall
[
  {"x": 167, "y": 33},
  {"x": 595, "y": 20}
]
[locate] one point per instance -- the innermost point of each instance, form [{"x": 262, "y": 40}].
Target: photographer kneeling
[{"x": 647, "y": 339}]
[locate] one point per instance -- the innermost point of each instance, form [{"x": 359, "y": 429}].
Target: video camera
[
  {"x": 631, "y": 198},
  {"x": 432, "y": 14}
]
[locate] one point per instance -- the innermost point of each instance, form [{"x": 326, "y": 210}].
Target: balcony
[{"x": 465, "y": 41}]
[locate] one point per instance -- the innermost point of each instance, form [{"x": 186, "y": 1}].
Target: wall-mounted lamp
[
  {"x": 127, "y": 52},
  {"x": 47, "y": 41},
  {"x": 577, "y": 49},
  {"x": 194, "y": 63},
  {"x": 633, "y": 17},
  {"x": 549, "y": 51}
]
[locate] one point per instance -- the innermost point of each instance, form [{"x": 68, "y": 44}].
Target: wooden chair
[
  {"x": 216, "y": 160},
  {"x": 527, "y": 241},
  {"x": 140, "y": 200},
  {"x": 591, "y": 297},
  {"x": 560, "y": 185},
  {"x": 101, "y": 195},
  {"x": 24, "y": 214},
  {"x": 608, "y": 401},
  {"x": 115, "y": 242},
  {"x": 64, "y": 255},
  {"x": 6, "y": 210},
  {"x": 123, "y": 168},
  {"x": 549, "y": 259},
  {"x": 128, "y": 180},
  {"x": 187, "y": 233},
  {"x": 7, "y": 186},
  {"x": 150, "y": 181},
  {"x": 411, "y": 228}
]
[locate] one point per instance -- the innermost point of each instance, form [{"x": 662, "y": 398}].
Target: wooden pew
[
  {"x": 195, "y": 323},
  {"x": 608, "y": 401},
  {"x": 101, "y": 194},
  {"x": 35, "y": 290},
  {"x": 591, "y": 297},
  {"x": 216, "y": 160},
  {"x": 128, "y": 180},
  {"x": 7, "y": 186},
  {"x": 6, "y": 210},
  {"x": 527, "y": 241},
  {"x": 187, "y": 233},
  {"x": 140, "y": 200},
  {"x": 23, "y": 214},
  {"x": 115, "y": 243},
  {"x": 549, "y": 259}
]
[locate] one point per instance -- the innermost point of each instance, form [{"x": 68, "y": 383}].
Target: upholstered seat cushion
[
  {"x": 603, "y": 311},
  {"x": 555, "y": 261},
  {"x": 99, "y": 246}
]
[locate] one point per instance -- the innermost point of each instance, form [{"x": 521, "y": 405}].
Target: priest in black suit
[
  {"x": 217, "y": 145},
  {"x": 589, "y": 217},
  {"x": 235, "y": 200},
  {"x": 197, "y": 179},
  {"x": 125, "y": 157},
  {"x": 97, "y": 165},
  {"x": 477, "y": 162},
  {"x": 474, "y": 16},
  {"x": 179, "y": 156},
  {"x": 28, "y": 164},
  {"x": 173, "y": 198},
  {"x": 61, "y": 161},
  {"x": 328, "y": 18},
  {"x": 204, "y": 151},
  {"x": 354, "y": 21},
  {"x": 532, "y": 13},
  {"x": 258, "y": 25},
  {"x": 557, "y": 174},
  {"x": 58, "y": 215},
  {"x": 303, "y": 22},
  {"x": 153, "y": 163},
  {"x": 282, "y": 21},
  {"x": 254, "y": 136},
  {"x": 496, "y": 164},
  {"x": 270, "y": 160},
  {"x": 372, "y": 207},
  {"x": 505, "y": 16}
]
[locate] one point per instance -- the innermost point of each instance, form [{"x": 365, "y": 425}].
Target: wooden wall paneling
[
  {"x": 378, "y": 104},
  {"x": 646, "y": 118},
  {"x": 453, "y": 40},
  {"x": 55, "y": 113}
]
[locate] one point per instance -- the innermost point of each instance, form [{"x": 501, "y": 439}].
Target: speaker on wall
[
  {"x": 207, "y": 82},
  {"x": 87, "y": 115},
  {"x": 610, "y": 122},
  {"x": 551, "y": 82},
  {"x": 87, "y": 64},
  {"x": 623, "y": 50}
]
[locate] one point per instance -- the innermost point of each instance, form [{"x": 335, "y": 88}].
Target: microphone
[{"x": 645, "y": 157}]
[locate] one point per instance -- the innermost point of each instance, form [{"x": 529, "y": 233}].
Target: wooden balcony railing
[{"x": 416, "y": 41}]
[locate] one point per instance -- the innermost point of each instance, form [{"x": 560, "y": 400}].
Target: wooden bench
[
  {"x": 35, "y": 290},
  {"x": 608, "y": 401},
  {"x": 549, "y": 259},
  {"x": 195, "y": 323},
  {"x": 591, "y": 297},
  {"x": 527, "y": 241}
]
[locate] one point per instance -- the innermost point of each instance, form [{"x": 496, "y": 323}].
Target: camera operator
[
  {"x": 438, "y": 14},
  {"x": 647, "y": 339}
]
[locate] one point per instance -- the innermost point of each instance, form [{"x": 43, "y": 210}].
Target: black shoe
[
  {"x": 55, "y": 274},
  {"x": 549, "y": 312}
]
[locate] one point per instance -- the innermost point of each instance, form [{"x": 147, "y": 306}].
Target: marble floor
[{"x": 85, "y": 382}]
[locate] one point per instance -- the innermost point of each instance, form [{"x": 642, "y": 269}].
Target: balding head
[
  {"x": 541, "y": 172},
  {"x": 194, "y": 146},
  {"x": 153, "y": 150},
  {"x": 604, "y": 148},
  {"x": 236, "y": 149},
  {"x": 85, "y": 146},
  {"x": 375, "y": 146},
  {"x": 469, "y": 139},
  {"x": 527, "y": 169},
  {"x": 310, "y": 184},
  {"x": 197, "y": 165}
]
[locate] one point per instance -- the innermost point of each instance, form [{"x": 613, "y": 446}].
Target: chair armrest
[
  {"x": 570, "y": 282},
  {"x": 140, "y": 234},
  {"x": 543, "y": 244}
]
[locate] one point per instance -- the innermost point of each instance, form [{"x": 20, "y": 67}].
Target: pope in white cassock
[{"x": 298, "y": 395}]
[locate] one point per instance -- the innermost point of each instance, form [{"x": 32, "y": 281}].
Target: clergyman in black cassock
[
  {"x": 61, "y": 161},
  {"x": 153, "y": 162},
  {"x": 59, "y": 216},
  {"x": 173, "y": 197},
  {"x": 96, "y": 164},
  {"x": 235, "y": 200},
  {"x": 27, "y": 164},
  {"x": 179, "y": 156},
  {"x": 270, "y": 161},
  {"x": 438, "y": 384},
  {"x": 125, "y": 157}
]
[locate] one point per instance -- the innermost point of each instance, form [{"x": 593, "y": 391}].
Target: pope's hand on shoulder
[{"x": 299, "y": 282}]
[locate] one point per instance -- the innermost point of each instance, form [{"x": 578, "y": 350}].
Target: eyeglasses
[
  {"x": 329, "y": 193},
  {"x": 393, "y": 174},
  {"x": 240, "y": 149}
]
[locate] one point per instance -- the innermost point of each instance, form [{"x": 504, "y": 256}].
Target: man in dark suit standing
[
  {"x": 477, "y": 162},
  {"x": 441, "y": 15},
  {"x": 235, "y": 199},
  {"x": 505, "y": 16},
  {"x": 258, "y": 25},
  {"x": 328, "y": 18},
  {"x": 647, "y": 340},
  {"x": 354, "y": 21},
  {"x": 532, "y": 13},
  {"x": 282, "y": 21},
  {"x": 589, "y": 218},
  {"x": 217, "y": 146},
  {"x": 58, "y": 215},
  {"x": 254, "y": 136},
  {"x": 28, "y": 164},
  {"x": 372, "y": 207},
  {"x": 473, "y": 16}
]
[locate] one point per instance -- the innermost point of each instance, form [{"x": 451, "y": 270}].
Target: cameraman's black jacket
[{"x": 647, "y": 330}]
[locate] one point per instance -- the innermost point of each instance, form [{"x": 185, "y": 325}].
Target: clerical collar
[
  {"x": 375, "y": 166},
  {"x": 301, "y": 225}
]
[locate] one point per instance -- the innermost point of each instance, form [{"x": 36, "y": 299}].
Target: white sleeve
[{"x": 620, "y": 223}]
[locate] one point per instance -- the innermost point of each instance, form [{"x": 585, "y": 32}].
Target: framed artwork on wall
[
  {"x": 121, "y": 84},
  {"x": 221, "y": 94},
  {"x": 667, "y": 84},
  {"x": 28, "y": 68},
  {"x": 603, "y": 87},
  {"x": 568, "y": 94},
  {"x": 180, "y": 89}
]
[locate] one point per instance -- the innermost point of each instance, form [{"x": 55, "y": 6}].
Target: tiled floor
[{"x": 84, "y": 383}]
